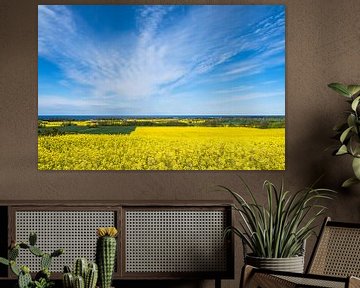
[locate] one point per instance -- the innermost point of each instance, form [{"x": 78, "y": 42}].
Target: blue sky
[{"x": 161, "y": 60}]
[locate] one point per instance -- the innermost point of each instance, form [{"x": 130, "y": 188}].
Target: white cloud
[
  {"x": 54, "y": 22},
  {"x": 233, "y": 90},
  {"x": 158, "y": 59}
]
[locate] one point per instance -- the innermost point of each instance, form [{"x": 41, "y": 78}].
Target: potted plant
[
  {"x": 84, "y": 274},
  {"x": 106, "y": 254},
  {"x": 42, "y": 278},
  {"x": 349, "y": 132},
  {"x": 276, "y": 233}
]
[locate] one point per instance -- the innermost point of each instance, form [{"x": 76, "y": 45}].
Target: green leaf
[
  {"x": 354, "y": 145},
  {"x": 345, "y": 134},
  {"x": 351, "y": 120},
  {"x": 340, "y": 88},
  {"x": 342, "y": 150},
  {"x": 279, "y": 228},
  {"x": 356, "y": 167},
  {"x": 353, "y": 89},
  {"x": 355, "y": 103},
  {"x": 14, "y": 268},
  {"x": 4, "y": 261},
  {"x": 340, "y": 127},
  {"x": 349, "y": 182}
]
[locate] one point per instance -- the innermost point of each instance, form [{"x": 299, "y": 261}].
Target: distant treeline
[
  {"x": 209, "y": 122},
  {"x": 243, "y": 121},
  {"x": 110, "y": 126}
]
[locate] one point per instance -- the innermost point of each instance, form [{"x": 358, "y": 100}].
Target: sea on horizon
[{"x": 98, "y": 117}]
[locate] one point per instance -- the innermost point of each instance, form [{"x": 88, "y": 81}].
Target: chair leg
[{"x": 217, "y": 283}]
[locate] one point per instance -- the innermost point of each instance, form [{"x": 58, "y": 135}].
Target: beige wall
[{"x": 323, "y": 46}]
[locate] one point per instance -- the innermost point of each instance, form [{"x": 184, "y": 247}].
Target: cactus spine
[
  {"x": 106, "y": 254},
  {"x": 24, "y": 278},
  {"x": 68, "y": 280},
  {"x": 84, "y": 275},
  {"x": 80, "y": 267},
  {"x": 91, "y": 276},
  {"x": 32, "y": 239},
  {"x": 45, "y": 261},
  {"x": 23, "y": 273},
  {"x": 79, "y": 282}
]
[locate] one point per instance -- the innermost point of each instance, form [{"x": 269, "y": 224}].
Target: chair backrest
[{"x": 337, "y": 251}]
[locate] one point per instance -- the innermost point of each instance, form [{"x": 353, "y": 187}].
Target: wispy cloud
[
  {"x": 233, "y": 90},
  {"x": 165, "y": 52}
]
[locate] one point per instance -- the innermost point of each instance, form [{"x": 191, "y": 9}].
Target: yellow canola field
[{"x": 166, "y": 148}]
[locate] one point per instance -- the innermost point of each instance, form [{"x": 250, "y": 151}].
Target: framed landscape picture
[{"x": 161, "y": 87}]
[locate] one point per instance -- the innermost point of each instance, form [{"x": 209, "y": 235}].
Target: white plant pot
[{"x": 291, "y": 264}]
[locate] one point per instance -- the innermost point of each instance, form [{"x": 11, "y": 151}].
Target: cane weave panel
[
  {"x": 175, "y": 241},
  {"x": 304, "y": 282},
  {"x": 338, "y": 253},
  {"x": 74, "y": 231},
  {"x": 261, "y": 280}
]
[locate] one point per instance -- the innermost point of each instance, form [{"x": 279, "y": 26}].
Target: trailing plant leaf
[
  {"x": 340, "y": 127},
  {"x": 349, "y": 182},
  {"x": 342, "y": 150},
  {"x": 354, "y": 146},
  {"x": 340, "y": 88},
  {"x": 353, "y": 89},
  {"x": 351, "y": 120},
  {"x": 356, "y": 167},
  {"x": 355, "y": 103},
  {"x": 350, "y": 131},
  {"x": 345, "y": 134}
]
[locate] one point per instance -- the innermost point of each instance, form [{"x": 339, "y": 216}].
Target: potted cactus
[
  {"x": 85, "y": 275},
  {"x": 42, "y": 278},
  {"x": 106, "y": 254}
]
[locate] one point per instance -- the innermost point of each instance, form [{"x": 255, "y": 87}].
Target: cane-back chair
[{"x": 335, "y": 262}]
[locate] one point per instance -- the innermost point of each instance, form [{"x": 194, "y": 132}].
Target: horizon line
[{"x": 128, "y": 115}]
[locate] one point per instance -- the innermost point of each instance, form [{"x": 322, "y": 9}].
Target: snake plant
[{"x": 279, "y": 228}]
